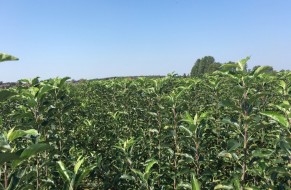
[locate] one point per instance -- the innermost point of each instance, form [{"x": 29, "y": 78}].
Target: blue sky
[{"x": 102, "y": 38}]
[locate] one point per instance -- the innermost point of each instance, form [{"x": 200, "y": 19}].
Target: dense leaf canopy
[{"x": 226, "y": 130}]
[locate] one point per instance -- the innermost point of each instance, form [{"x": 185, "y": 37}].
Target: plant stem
[
  {"x": 37, "y": 174},
  {"x": 245, "y": 148},
  {"x": 176, "y": 147},
  {"x": 5, "y": 176},
  {"x": 159, "y": 146},
  {"x": 244, "y": 165},
  {"x": 197, "y": 158}
]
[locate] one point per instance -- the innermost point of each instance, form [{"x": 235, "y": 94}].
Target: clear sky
[{"x": 103, "y": 38}]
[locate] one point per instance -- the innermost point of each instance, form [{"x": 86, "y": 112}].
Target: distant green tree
[
  {"x": 283, "y": 70},
  {"x": 214, "y": 67},
  {"x": 204, "y": 65}
]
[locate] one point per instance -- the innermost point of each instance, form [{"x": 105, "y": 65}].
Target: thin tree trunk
[
  {"x": 244, "y": 166},
  {"x": 176, "y": 148}
]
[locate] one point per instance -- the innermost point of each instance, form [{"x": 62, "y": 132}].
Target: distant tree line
[
  {"x": 204, "y": 65},
  {"x": 7, "y": 84},
  {"x": 208, "y": 64}
]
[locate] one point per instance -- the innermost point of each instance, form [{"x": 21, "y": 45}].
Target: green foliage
[
  {"x": 7, "y": 57},
  {"x": 277, "y": 117},
  {"x": 262, "y": 69},
  {"x": 194, "y": 183},
  {"x": 226, "y": 130},
  {"x": 5, "y": 94},
  {"x": 73, "y": 179}
]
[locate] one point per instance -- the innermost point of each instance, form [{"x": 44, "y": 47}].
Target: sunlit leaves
[
  {"x": 14, "y": 134},
  {"x": 63, "y": 171},
  {"x": 4, "y": 145},
  {"x": 220, "y": 186},
  {"x": 7, "y": 57},
  {"x": 194, "y": 182},
  {"x": 261, "y": 69},
  {"x": 242, "y": 64},
  {"x": 277, "y": 117},
  {"x": 33, "y": 150}
]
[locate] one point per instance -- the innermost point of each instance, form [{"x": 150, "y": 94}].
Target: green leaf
[
  {"x": 243, "y": 64},
  {"x": 140, "y": 175},
  {"x": 34, "y": 149},
  {"x": 236, "y": 183},
  {"x": 261, "y": 69},
  {"x": 188, "y": 119},
  {"x": 228, "y": 121},
  {"x": 283, "y": 84},
  {"x": 192, "y": 122},
  {"x": 6, "y": 157},
  {"x": 183, "y": 128},
  {"x": 7, "y": 57},
  {"x": 170, "y": 151},
  {"x": 128, "y": 143},
  {"x": 203, "y": 116},
  {"x": 262, "y": 153},
  {"x": 195, "y": 119},
  {"x": 284, "y": 145},
  {"x": 63, "y": 171},
  {"x": 220, "y": 186},
  {"x": 63, "y": 80},
  {"x": 43, "y": 90},
  {"x": 150, "y": 165},
  {"x": 232, "y": 145},
  {"x": 127, "y": 177},
  {"x": 4, "y": 146},
  {"x": 78, "y": 164},
  {"x": 194, "y": 183},
  {"x": 84, "y": 173},
  {"x": 277, "y": 117},
  {"x": 186, "y": 157},
  {"x": 12, "y": 135},
  {"x": 284, "y": 107},
  {"x": 225, "y": 154}
]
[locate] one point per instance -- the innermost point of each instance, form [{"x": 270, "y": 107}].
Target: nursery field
[{"x": 227, "y": 130}]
